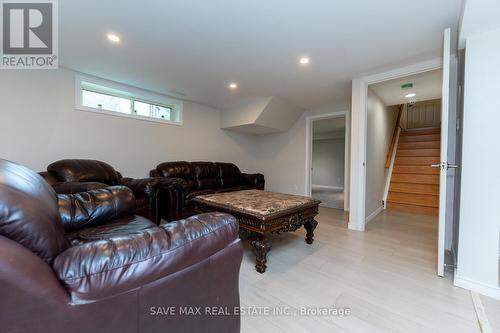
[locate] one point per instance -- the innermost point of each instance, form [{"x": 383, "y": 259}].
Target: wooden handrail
[{"x": 393, "y": 141}]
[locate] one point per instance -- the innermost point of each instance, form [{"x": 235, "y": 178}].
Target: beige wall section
[
  {"x": 381, "y": 121},
  {"x": 282, "y": 156},
  {"x": 39, "y": 125}
]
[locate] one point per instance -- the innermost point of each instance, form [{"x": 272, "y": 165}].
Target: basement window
[{"x": 106, "y": 97}]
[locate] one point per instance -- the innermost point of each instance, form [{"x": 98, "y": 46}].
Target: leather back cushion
[
  {"x": 76, "y": 170},
  {"x": 179, "y": 169},
  {"x": 207, "y": 175},
  {"x": 230, "y": 173},
  {"x": 28, "y": 211},
  {"x": 95, "y": 207}
]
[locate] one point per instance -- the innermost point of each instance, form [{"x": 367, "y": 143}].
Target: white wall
[
  {"x": 40, "y": 125},
  {"x": 380, "y": 128},
  {"x": 328, "y": 159},
  {"x": 478, "y": 247},
  {"x": 282, "y": 156}
]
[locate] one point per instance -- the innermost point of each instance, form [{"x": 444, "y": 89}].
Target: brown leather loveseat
[
  {"x": 78, "y": 175},
  {"x": 198, "y": 178},
  {"x": 84, "y": 263}
]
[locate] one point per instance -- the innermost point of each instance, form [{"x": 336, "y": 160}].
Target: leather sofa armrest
[
  {"x": 254, "y": 179},
  {"x": 112, "y": 266},
  {"x": 172, "y": 198},
  {"x": 144, "y": 187},
  {"x": 76, "y": 187},
  {"x": 165, "y": 195},
  {"x": 95, "y": 207}
]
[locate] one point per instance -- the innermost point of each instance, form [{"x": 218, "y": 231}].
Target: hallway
[{"x": 330, "y": 198}]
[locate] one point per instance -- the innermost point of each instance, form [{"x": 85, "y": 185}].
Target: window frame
[{"x": 115, "y": 89}]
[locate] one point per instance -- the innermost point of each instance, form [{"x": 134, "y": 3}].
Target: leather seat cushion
[
  {"x": 194, "y": 194},
  {"x": 124, "y": 226},
  {"x": 244, "y": 187},
  {"x": 237, "y": 188},
  {"x": 228, "y": 189},
  {"x": 119, "y": 263}
]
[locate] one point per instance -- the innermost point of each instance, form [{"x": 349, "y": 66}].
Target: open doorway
[
  {"x": 328, "y": 161},
  {"x": 403, "y": 158},
  {"x": 403, "y": 141},
  {"x": 331, "y": 180}
]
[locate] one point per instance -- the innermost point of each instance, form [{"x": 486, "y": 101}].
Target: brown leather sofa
[
  {"x": 198, "y": 178},
  {"x": 78, "y": 175},
  {"x": 84, "y": 263}
]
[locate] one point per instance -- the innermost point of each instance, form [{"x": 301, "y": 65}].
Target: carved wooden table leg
[
  {"x": 260, "y": 249},
  {"x": 310, "y": 225}
]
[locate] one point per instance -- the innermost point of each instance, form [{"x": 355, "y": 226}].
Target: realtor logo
[{"x": 29, "y": 34}]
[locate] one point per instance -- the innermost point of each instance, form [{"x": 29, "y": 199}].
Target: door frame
[
  {"x": 308, "y": 164},
  {"x": 357, "y": 215}
]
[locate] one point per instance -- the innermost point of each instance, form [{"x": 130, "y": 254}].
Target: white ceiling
[
  {"x": 426, "y": 86},
  {"x": 197, "y": 47},
  {"x": 328, "y": 125}
]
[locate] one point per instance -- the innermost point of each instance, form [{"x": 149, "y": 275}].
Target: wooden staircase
[{"x": 414, "y": 184}]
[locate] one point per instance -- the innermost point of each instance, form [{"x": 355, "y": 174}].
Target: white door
[{"x": 445, "y": 102}]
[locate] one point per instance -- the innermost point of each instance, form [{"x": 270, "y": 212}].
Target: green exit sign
[{"x": 408, "y": 85}]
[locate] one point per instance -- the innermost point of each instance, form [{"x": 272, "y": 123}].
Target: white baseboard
[
  {"x": 479, "y": 287},
  {"x": 326, "y": 187},
  {"x": 374, "y": 214},
  {"x": 357, "y": 227}
]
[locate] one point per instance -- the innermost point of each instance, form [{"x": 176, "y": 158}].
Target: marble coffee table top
[{"x": 257, "y": 202}]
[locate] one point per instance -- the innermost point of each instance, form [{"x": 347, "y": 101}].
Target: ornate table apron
[{"x": 286, "y": 220}]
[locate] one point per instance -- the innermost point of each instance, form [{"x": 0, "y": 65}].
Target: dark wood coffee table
[{"x": 262, "y": 213}]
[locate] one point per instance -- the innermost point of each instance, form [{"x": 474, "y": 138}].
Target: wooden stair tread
[
  {"x": 421, "y": 131},
  {"x": 416, "y": 160},
  {"x": 422, "y": 137},
  {"x": 416, "y": 169},
  {"x": 420, "y": 145},
  {"x": 414, "y": 184},
  {"x": 432, "y": 189},
  {"x": 415, "y": 178},
  {"x": 426, "y": 200},
  {"x": 413, "y": 209},
  {"x": 418, "y": 152}
]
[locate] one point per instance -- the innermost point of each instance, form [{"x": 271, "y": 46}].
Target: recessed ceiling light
[
  {"x": 114, "y": 38},
  {"x": 410, "y": 95},
  {"x": 304, "y": 61},
  {"x": 233, "y": 85}
]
